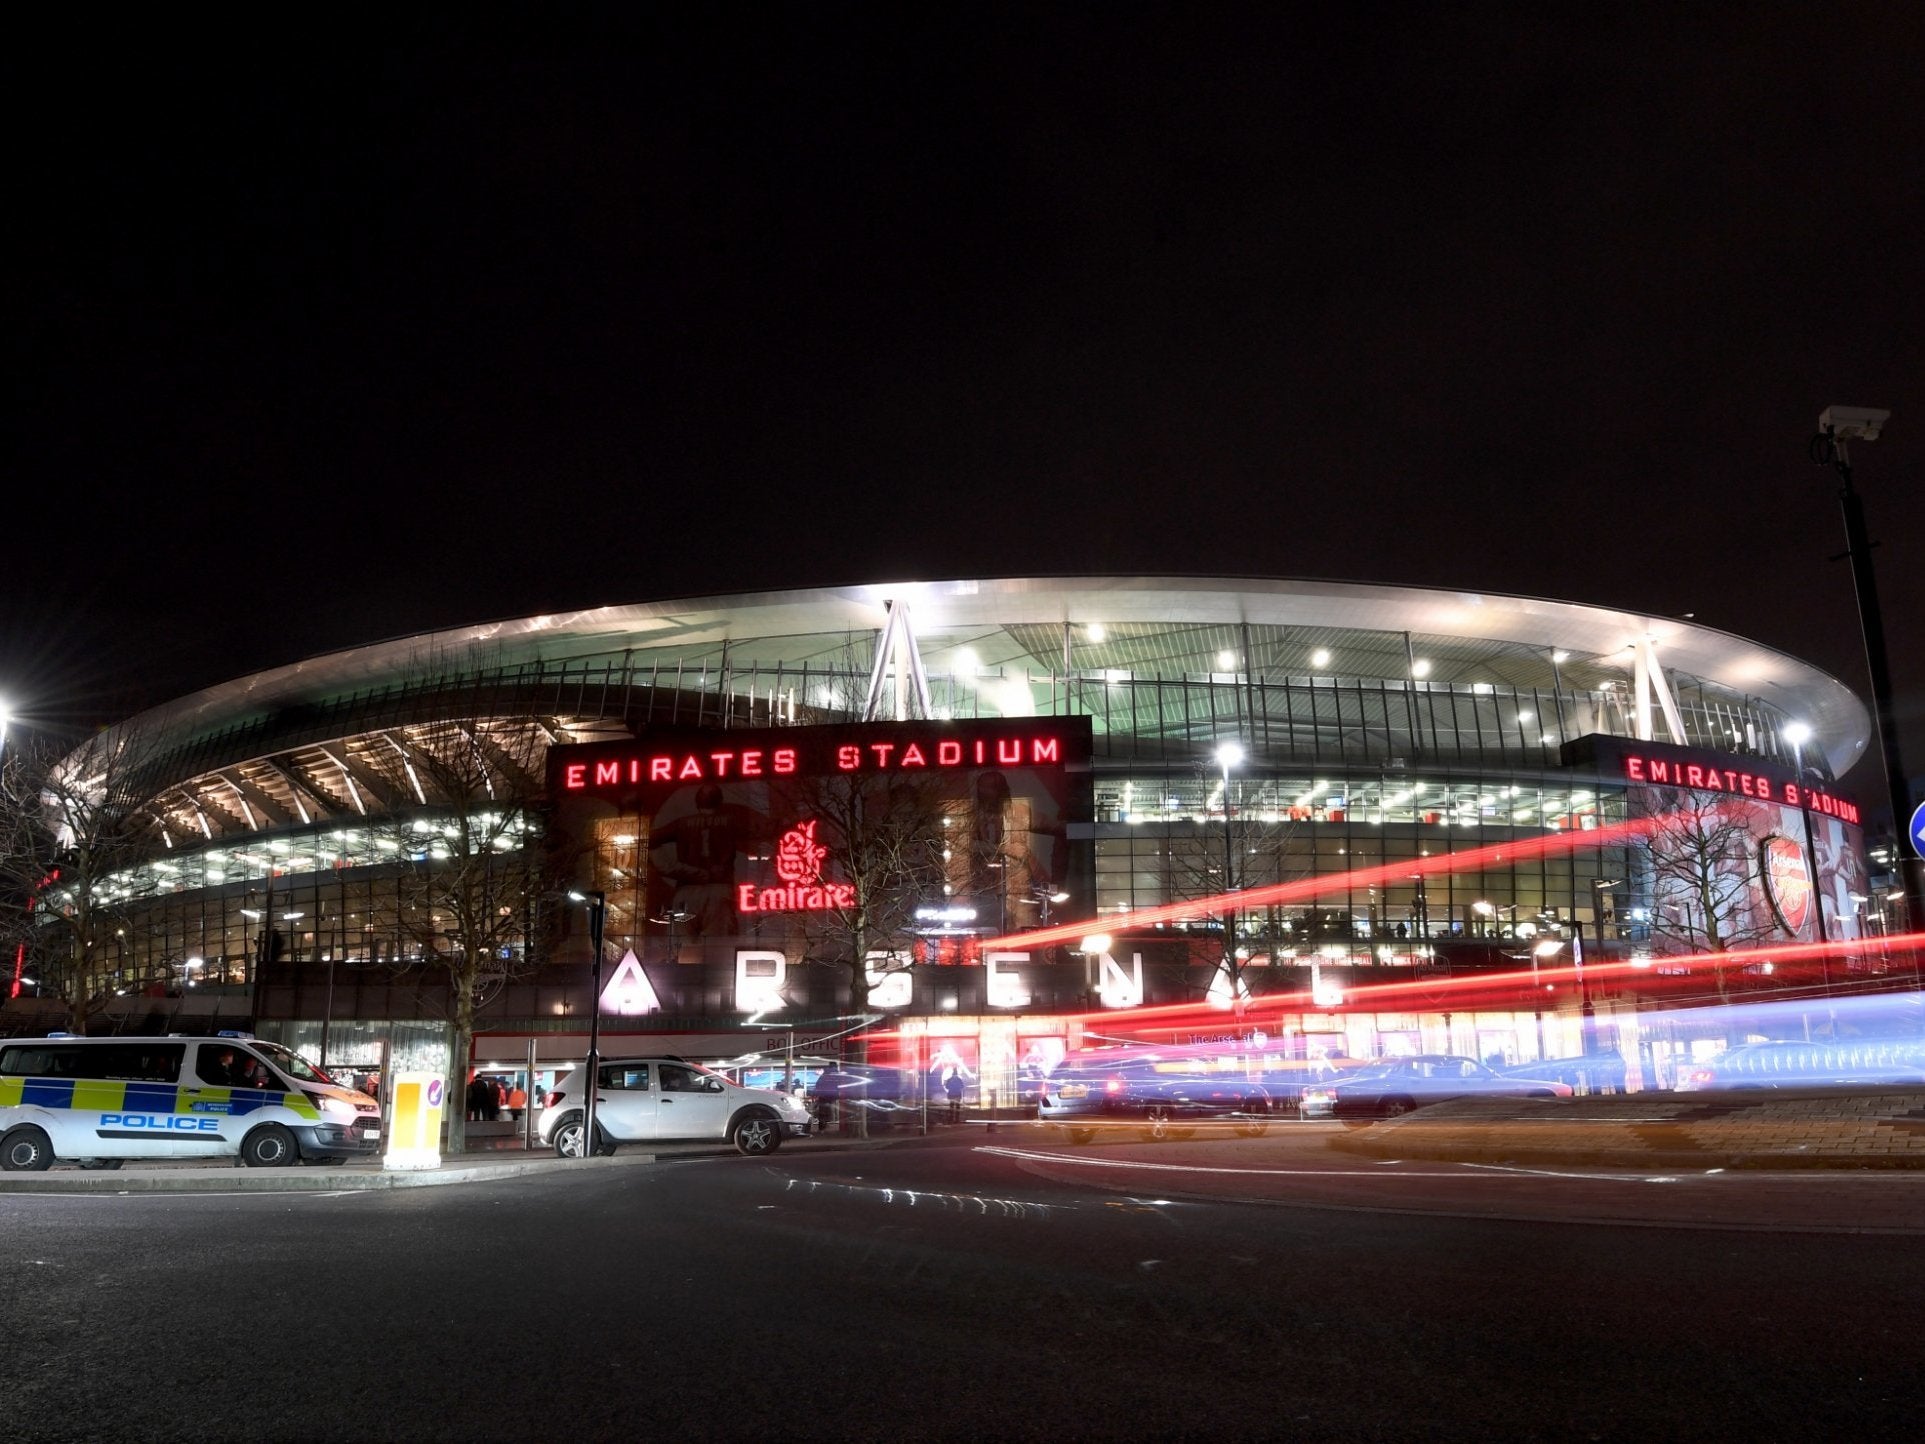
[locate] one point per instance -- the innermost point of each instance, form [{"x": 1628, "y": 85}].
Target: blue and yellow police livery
[{"x": 102, "y": 1101}]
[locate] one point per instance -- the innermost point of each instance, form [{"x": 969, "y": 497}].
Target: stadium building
[{"x": 1036, "y": 794}]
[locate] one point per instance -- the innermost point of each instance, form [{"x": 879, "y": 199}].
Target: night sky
[{"x": 326, "y": 326}]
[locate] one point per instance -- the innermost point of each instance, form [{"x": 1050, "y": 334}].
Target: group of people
[{"x": 490, "y": 1099}]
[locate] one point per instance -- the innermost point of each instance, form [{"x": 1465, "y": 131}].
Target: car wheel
[
  {"x": 1159, "y": 1123},
  {"x": 756, "y": 1134},
  {"x": 1394, "y": 1107},
  {"x": 269, "y": 1146},
  {"x": 567, "y": 1138},
  {"x": 25, "y": 1150},
  {"x": 1254, "y": 1120},
  {"x": 1081, "y": 1136}
]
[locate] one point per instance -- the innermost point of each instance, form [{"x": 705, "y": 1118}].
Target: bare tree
[
  {"x": 75, "y": 833},
  {"x": 472, "y": 869},
  {"x": 1701, "y": 856},
  {"x": 1210, "y": 857},
  {"x": 886, "y": 844}
]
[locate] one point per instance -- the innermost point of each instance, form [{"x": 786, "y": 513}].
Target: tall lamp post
[
  {"x": 1798, "y": 734},
  {"x": 597, "y": 912},
  {"x": 1229, "y": 754},
  {"x": 1838, "y": 425}
]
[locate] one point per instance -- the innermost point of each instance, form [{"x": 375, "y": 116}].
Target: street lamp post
[
  {"x": 597, "y": 912},
  {"x": 1798, "y": 734},
  {"x": 1838, "y": 425},
  {"x": 1228, "y": 755}
]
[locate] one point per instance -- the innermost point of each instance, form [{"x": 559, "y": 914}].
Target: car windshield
[{"x": 292, "y": 1064}]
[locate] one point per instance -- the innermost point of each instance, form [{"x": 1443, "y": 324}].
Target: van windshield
[{"x": 292, "y": 1064}]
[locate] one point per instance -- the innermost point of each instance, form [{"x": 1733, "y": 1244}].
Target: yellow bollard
[{"x": 414, "y": 1129}]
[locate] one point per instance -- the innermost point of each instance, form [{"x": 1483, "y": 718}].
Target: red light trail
[{"x": 1303, "y": 889}]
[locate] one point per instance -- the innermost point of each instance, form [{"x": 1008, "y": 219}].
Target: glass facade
[{"x": 284, "y": 837}]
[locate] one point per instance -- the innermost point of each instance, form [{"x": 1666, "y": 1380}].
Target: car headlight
[{"x": 328, "y": 1105}]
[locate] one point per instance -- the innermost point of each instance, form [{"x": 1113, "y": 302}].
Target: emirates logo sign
[
  {"x": 799, "y": 861},
  {"x": 1787, "y": 882}
]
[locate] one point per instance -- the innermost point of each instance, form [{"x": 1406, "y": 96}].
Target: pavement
[
  {"x": 487, "y": 1158},
  {"x": 1773, "y": 1129},
  {"x": 1777, "y": 1130}
]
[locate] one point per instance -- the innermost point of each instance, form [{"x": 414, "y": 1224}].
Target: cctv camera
[{"x": 1853, "y": 423}]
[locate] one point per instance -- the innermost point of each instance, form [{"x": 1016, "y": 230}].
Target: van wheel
[
  {"x": 756, "y": 1135},
  {"x": 25, "y": 1150},
  {"x": 107, "y": 1165},
  {"x": 1081, "y": 1135},
  {"x": 269, "y": 1146}
]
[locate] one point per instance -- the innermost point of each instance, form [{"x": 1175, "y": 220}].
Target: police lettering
[{"x": 163, "y": 1122}]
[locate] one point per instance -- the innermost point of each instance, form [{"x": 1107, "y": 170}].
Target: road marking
[{"x": 1084, "y": 1161}]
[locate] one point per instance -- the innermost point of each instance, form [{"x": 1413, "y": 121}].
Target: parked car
[
  {"x": 1158, "y": 1097},
  {"x": 878, "y": 1091},
  {"x": 1595, "y": 1071},
  {"x": 1869, "y": 1063},
  {"x": 1395, "y": 1086},
  {"x": 645, "y": 1099}
]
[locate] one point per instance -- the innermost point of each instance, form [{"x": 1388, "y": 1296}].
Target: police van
[{"x": 99, "y": 1102}]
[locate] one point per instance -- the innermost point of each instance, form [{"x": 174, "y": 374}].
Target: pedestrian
[
  {"x": 953, "y": 1086},
  {"x": 477, "y": 1097},
  {"x": 517, "y": 1100}
]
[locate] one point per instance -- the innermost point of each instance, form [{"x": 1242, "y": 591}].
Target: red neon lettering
[
  {"x": 882, "y": 751},
  {"x": 912, "y": 756},
  {"x": 607, "y": 773},
  {"x": 721, "y": 761},
  {"x": 785, "y": 759},
  {"x": 691, "y": 767},
  {"x": 848, "y": 759},
  {"x": 1009, "y": 750},
  {"x": 979, "y": 751},
  {"x": 634, "y": 769},
  {"x": 1634, "y": 768},
  {"x": 1694, "y": 776},
  {"x": 1747, "y": 784},
  {"x": 1046, "y": 749},
  {"x": 949, "y": 754},
  {"x": 1730, "y": 781},
  {"x": 574, "y": 775},
  {"x": 752, "y": 762},
  {"x": 794, "y": 897},
  {"x": 1851, "y": 812},
  {"x": 660, "y": 769},
  {"x": 1791, "y": 795},
  {"x": 1660, "y": 770}
]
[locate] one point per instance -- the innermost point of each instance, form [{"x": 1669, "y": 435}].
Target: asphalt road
[{"x": 943, "y": 1291}]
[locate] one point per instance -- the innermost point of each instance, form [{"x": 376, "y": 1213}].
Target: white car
[{"x": 642, "y": 1100}]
